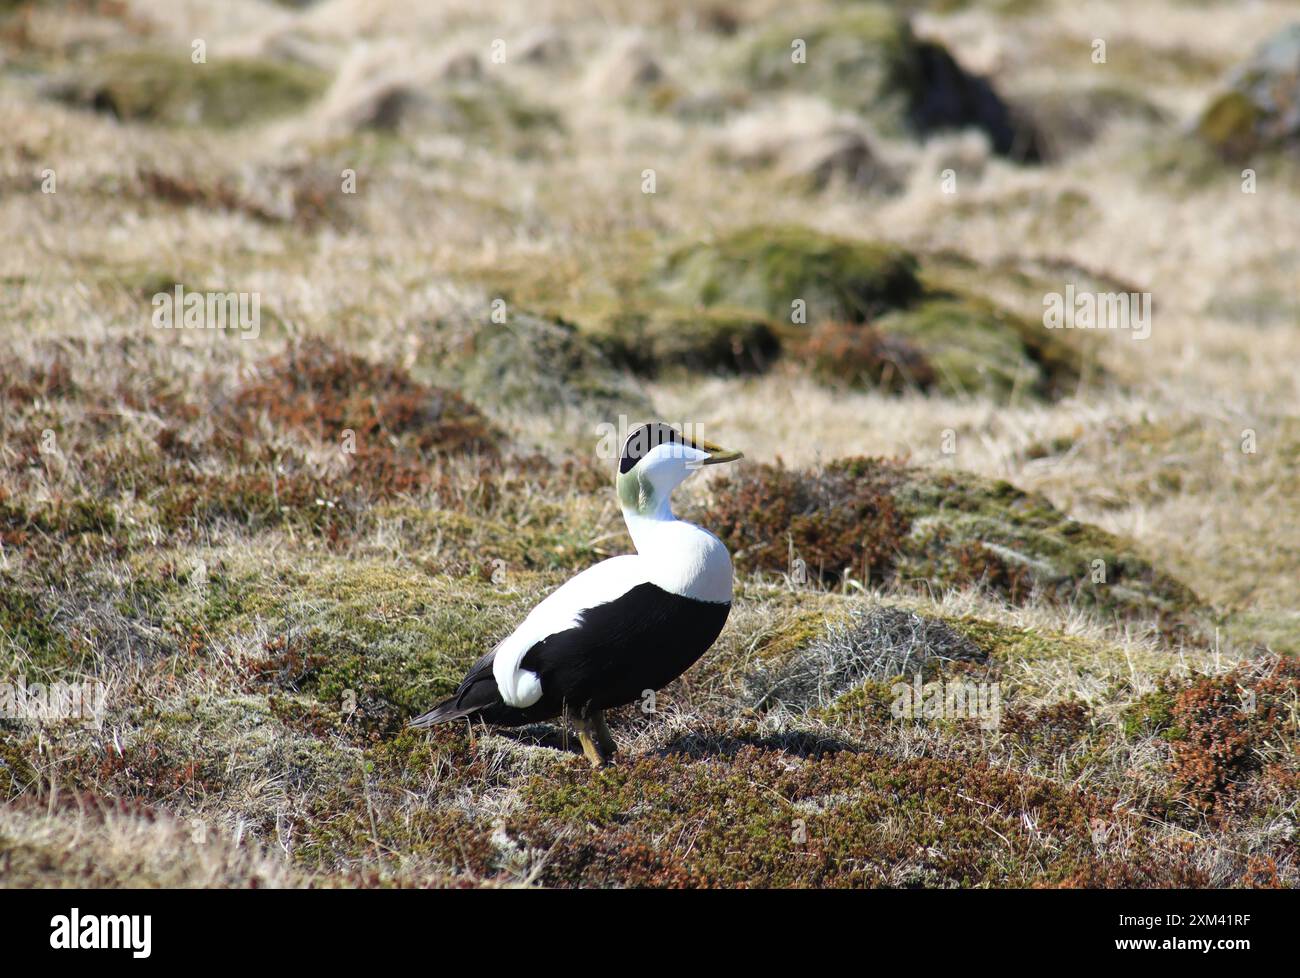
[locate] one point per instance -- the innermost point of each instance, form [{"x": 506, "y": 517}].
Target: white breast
[
  {"x": 683, "y": 558},
  {"x": 677, "y": 556}
]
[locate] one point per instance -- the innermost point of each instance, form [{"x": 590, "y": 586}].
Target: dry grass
[{"x": 265, "y": 612}]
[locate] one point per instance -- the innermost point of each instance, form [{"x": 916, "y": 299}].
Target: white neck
[{"x": 680, "y": 557}]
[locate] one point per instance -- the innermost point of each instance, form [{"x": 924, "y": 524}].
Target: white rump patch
[{"x": 561, "y": 610}]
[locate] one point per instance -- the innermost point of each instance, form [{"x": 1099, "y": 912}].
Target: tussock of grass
[{"x": 874, "y": 645}]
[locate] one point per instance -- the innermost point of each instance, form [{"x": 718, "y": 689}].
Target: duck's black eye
[{"x": 642, "y": 440}]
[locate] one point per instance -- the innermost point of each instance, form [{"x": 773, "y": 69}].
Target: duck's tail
[{"x": 478, "y": 691}]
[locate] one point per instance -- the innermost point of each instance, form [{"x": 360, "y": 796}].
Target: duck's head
[{"x": 656, "y": 459}]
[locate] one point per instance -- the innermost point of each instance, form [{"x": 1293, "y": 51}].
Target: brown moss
[
  {"x": 316, "y": 387},
  {"x": 757, "y": 817},
  {"x": 889, "y": 522},
  {"x": 861, "y": 356},
  {"x": 1225, "y": 725},
  {"x": 1049, "y": 731},
  {"x": 835, "y": 519}
]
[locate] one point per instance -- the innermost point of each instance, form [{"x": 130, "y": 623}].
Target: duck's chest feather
[{"x": 617, "y": 651}]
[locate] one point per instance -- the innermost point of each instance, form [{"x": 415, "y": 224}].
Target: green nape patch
[
  {"x": 169, "y": 89},
  {"x": 885, "y": 522},
  {"x": 822, "y": 817}
]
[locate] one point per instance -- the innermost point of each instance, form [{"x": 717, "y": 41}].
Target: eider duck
[{"x": 627, "y": 625}]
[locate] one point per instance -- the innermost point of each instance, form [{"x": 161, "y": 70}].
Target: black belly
[{"x": 641, "y": 641}]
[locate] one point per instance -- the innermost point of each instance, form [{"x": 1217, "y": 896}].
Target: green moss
[
  {"x": 1228, "y": 125},
  {"x": 1153, "y": 713},
  {"x": 651, "y": 338},
  {"x": 31, "y": 635},
  {"x": 389, "y": 642},
  {"x": 742, "y": 814},
  {"x": 869, "y": 703},
  {"x": 974, "y": 347},
  {"x": 167, "y": 89},
  {"x": 534, "y": 364},
  {"x": 856, "y": 58},
  {"x": 798, "y": 629},
  {"x": 1007, "y": 644},
  {"x": 766, "y": 269},
  {"x": 966, "y": 527}
]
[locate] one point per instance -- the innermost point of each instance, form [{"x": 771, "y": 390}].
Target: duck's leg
[
  {"x": 604, "y": 739},
  {"x": 588, "y": 729}
]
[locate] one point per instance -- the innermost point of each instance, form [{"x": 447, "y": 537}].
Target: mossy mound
[
  {"x": 972, "y": 346},
  {"x": 1259, "y": 111},
  {"x": 535, "y": 363},
  {"x": 167, "y": 89},
  {"x": 856, "y": 57},
  {"x": 324, "y": 390},
  {"x": 810, "y": 815},
  {"x": 652, "y": 338},
  {"x": 770, "y": 269},
  {"x": 884, "y": 521},
  {"x": 867, "y": 59},
  {"x": 860, "y": 313},
  {"x": 860, "y": 355},
  {"x": 876, "y": 318}
]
